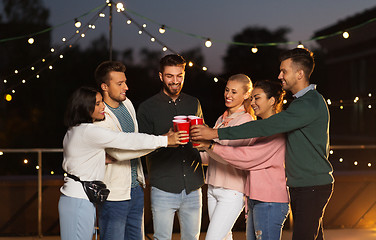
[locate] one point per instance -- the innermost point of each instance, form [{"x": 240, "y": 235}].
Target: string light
[
  {"x": 37, "y": 76},
  {"x": 329, "y": 101},
  {"x": 162, "y": 29},
  {"x": 331, "y": 152},
  {"x": 1, "y": 153},
  {"x": 284, "y": 101},
  {"x": 8, "y": 97},
  {"x": 216, "y": 79},
  {"x": 83, "y": 35},
  {"x": 340, "y": 160},
  {"x": 144, "y": 25},
  {"x": 369, "y": 164},
  {"x": 345, "y": 35},
  {"x": 164, "y": 49},
  {"x": 254, "y": 49},
  {"x": 61, "y": 56},
  {"x": 190, "y": 64},
  {"x": 129, "y": 21},
  {"x": 356, "y": 99},
  {"x": 369, "y": 94},
  {"x": 204, "y": 68},
  {"x": 370, "y": 106},
  {"x": 356, "y": 163},
  {"x": 341, "y": 107},
  {"x": 120, "y": 7},
  {"x": 52, "y": 172},
  {"x": 37, "y": 167},
  {"x": 102, "y": 15},
  {"x": 52, "y": 50},
  {"x": 139, "y": 32},
  {"x": 30, "y": 41},
  {"x": 26, "y": 161},
  {"x": 208, "y": 43},
  {"x": 77, "y": 23},
  {"x": 23, "y": 81},
  {"x": 5, "y": 81},
  {"x": 16, "y": 71},
  {"x": 32, "y": 68},
  {"x": 152, "y": 39},
  {"x": 50, "y": 67},
  {"x": 300, "y": 45},
  {"x": 63, "y": 39}
]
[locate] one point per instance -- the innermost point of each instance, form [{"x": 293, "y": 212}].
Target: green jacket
[{"x": 306, "y": 122}]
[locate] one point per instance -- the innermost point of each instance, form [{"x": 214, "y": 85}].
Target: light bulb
[
  {"x": 254, "y": 49},
  {"x": 300, "y": 45},
  {"x": 215, "y": 79},
  {"x": 120, "y": 6},
  {"x": 345, "y": 35},
  {"x": 208, "y": 43},
  {"x": 8, "y": 97},
  {"x": 30, "y": 41},
  {"x": 164, "y": 49},
  {"x": 204, "y": 68},
  {"x": 190, "y": 64},
  {"x": 162, "y": 29},
  {"x": 77, "y": 23}
]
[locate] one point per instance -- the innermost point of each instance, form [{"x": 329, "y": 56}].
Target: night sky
[{"x": 218, "y": 20}]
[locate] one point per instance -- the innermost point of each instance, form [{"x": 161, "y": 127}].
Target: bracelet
[{"x": 211, "y": 145}]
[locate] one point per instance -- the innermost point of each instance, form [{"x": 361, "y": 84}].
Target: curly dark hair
[{"x": 272, "y": 89}]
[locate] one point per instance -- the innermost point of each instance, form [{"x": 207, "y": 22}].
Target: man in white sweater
[{"x": 121, "y": 216}]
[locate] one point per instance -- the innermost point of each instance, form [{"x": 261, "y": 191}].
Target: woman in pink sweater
[
  {"x": 225, "y": 182},
  {"x": 264, "y": 160}
]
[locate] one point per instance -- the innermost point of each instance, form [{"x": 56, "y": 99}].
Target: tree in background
[{"x": 262, "y": 65}]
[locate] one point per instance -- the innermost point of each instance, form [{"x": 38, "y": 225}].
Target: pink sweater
[
  {"x": 219, "y": 172},
  {"x": 266, "y": 180}
]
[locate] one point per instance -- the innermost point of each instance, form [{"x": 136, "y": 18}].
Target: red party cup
[
  {"x": 181, "y": 117},
  {"x": 180, "y": 125},
  {"x": 196, "y": 121}
]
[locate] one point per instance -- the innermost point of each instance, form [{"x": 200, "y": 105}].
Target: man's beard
[{"x": 172, "y": 93}]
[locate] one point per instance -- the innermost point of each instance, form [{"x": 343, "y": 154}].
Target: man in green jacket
[{"x": 306, "y": 123}]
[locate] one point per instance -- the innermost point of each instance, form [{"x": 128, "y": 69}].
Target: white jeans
[{"x": 224, "y": 207}]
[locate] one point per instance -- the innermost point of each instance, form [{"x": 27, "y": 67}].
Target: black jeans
[{"x": 308, "y": 207}]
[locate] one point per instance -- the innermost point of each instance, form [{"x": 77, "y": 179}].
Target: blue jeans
[
  {"x": 76, "y": 217},
  {"x": 123, "y": 219},
  {"x": 265, "y": 219},
  {"x": 188, "y": 206}
]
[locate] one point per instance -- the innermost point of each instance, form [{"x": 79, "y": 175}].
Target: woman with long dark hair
[{"x": 84, "y": 157}]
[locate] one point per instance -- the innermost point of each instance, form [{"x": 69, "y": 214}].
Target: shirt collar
[
  {"x": 304, "y": 91},
  {"x": 168, "y": 98}
]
